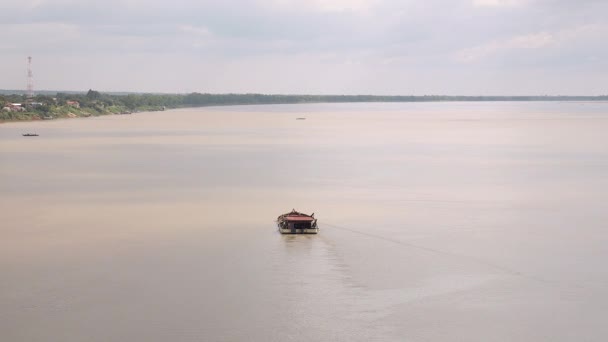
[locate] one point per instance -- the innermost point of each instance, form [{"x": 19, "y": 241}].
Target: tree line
[{"x": 96, "y": 103}]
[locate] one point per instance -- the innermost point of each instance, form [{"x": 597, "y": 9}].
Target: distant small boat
[
  {"x": 300, "y": 118},
  {"x": 297, "y": 223},
  {"x": 30, "y": 135}
]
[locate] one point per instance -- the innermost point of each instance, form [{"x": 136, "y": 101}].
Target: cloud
[
  {"x": 529, "y": 41},
  {"x": 498, "y": 3},
  {"x": 24, "y": 36},
  {"x": 199, "y": 31},
  {"x": 323, "y": 5},
  {"x": 369, "y": 46},
  {"x": 558, "y": 42}
]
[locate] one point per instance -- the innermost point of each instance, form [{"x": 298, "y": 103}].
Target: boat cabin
[{"x": 295, "y": 222}]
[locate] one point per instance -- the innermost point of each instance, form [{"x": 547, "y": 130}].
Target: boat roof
[
  {"x": 299, "y": 218},
  {"x": 294, "y": 215}
]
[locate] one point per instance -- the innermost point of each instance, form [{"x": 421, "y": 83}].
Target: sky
[{"x": 381, "y": 47}]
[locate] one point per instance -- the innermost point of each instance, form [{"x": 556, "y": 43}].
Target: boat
[
  {"x": 30, "y": 135},
  {"x": 295, "y": 222}
]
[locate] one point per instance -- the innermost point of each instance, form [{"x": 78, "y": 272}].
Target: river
[{"x": 438, "y": 222}]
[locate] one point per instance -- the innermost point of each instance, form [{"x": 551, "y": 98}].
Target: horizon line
[{"x": 24, "y": 92}]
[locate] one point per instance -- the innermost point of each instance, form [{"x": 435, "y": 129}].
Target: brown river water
[{"x": 438, "y": 222}]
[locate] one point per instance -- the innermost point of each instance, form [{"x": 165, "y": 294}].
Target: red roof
[{"x": 299, "y": 218}]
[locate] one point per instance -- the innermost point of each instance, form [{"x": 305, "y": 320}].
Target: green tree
[{"x": 93, "y": 95}]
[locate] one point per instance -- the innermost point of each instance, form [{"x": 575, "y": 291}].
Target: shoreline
[
  {"x": 74, "y": 113},
  {"x": 67, "y": 112}
]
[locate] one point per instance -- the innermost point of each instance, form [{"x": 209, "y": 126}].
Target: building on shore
[{"x": 74, "y": 104}]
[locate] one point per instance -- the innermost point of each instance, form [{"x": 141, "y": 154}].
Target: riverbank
[
  {"x": 66, "y": 112},
  {"x": 18, "y": 107}
]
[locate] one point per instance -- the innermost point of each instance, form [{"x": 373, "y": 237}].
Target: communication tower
[{"x": 30, "y": 78}]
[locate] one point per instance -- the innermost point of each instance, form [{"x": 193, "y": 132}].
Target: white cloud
[
  {"x": 498, "y": 3},
  {"x": 200, "y": 36},
  {"x": 195, "y": 30},
  {"x": 529, "y": 41},
  {"x": 323, "y": 5},
  {"x": 562, "y": 39},
  {"x": 588, "y": 31},
  {"x": 27, "y": 36}
]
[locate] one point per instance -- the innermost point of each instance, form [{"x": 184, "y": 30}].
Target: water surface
[{"x": 439, "y": 222}]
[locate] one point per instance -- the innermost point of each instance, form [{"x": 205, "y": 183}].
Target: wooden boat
[
  {"x": 295, "y": 222},
  {"x": 30, "y": 135}
]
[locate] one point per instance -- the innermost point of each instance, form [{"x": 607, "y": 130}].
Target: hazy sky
[{"x": 454, "y": 47}]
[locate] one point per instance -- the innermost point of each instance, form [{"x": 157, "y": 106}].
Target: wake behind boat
[{"x": 295, "y": 222}]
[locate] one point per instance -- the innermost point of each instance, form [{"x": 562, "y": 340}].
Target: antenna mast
[{"x": 30, "y": 78}]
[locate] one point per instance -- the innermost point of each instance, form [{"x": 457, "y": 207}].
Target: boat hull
[{"x": 298, "y": 231}]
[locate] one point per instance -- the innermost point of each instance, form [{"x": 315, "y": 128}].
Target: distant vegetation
[{"x": 94, "y": 103}]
